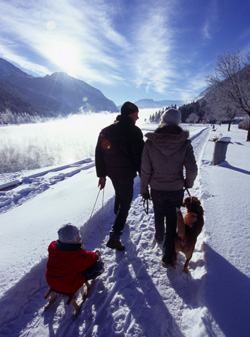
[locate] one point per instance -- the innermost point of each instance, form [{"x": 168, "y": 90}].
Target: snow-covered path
[
  {"x": 135, "y": 296},
  {"x": 134, "y": 289}
]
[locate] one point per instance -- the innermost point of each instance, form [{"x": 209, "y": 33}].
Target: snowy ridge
[{"x": 28, "y": 187}]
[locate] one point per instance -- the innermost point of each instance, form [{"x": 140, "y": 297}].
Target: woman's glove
[{"x": 146, "y": 196}]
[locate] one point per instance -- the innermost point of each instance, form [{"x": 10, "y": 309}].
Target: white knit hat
[
  {"x": 171, "y": 117},
  {"x": 69, "y": 233}
]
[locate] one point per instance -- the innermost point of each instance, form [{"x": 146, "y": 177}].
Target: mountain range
[
  {"x": 49, "y": 96},
  {"x": 150, "y": 103}
]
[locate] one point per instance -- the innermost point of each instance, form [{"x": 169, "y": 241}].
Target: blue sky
[{"x": 130, "y": 50}]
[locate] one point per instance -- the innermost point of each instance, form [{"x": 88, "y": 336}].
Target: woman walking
[{"x": 167, "y": 152}]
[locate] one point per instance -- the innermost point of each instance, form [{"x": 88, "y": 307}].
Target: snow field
[{"x": 135, "y": 296}]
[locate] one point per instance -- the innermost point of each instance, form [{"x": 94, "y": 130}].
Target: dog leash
[
  {"x": 188, "y": 193},
  {"x": 186, "y": 189},
  {"x": 145, "y": 208}
]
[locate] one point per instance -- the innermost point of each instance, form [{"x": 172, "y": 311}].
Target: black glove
[
  {"x": 146, "y": 196},
  {"x": 185, "y": 184}
]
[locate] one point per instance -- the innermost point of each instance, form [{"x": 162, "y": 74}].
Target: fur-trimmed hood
[
  {"x": 168, "y": 138},
  {"x": 168, "y": 134}
]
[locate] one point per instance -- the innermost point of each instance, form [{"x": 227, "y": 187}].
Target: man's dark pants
[
  {"x": 165, "y": 203},
  {"x": 123, "y": 198}
]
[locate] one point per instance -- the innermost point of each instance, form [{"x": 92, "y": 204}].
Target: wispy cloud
[
  {"x": 102, "y": 42},
  {"x": 210, "y": 23},
  {"x": 153, "y": 44},
  {"x": 84, "y": 27}
]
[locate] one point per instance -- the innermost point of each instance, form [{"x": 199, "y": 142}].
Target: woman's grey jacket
[{"x": 166, "y": 153}]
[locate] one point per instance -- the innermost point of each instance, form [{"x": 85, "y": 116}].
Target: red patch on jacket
[{"x": 106, "y": 144}]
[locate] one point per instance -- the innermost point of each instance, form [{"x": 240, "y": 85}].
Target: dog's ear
[
  {"x": 196, "y": 200},
  {"x": 190, "y": 200},
  {"x": 185, "y": 201}
]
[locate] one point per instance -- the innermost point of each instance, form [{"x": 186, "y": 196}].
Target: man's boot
[{"x": 115, "y": 244}]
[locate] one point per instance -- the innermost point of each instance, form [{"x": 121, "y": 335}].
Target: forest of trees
[
  {"x": 191, "y": 113},
  {"x": 9, "y": 117},
  {"x": 227, "y": 99},
  {"x": 202, "y": 112},
  {"x": 231, "y": 83}
]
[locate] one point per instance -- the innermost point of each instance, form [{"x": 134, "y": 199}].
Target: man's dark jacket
[{"x": 118, "y": 150}]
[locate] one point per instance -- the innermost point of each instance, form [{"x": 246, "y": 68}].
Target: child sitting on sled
[{"x": 69, "y": 265}]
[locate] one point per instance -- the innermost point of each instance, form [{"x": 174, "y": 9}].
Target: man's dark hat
[{"x": 128, "y": 108}]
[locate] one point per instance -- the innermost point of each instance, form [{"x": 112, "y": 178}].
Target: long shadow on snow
[
  {"x": 140, "y": 295},
  {"x": 102, "y": 321},
  {"x": 93, "y": 231},
  {"x": 227, "y": 295},
  {"x": 137, "y": 294},
  {"x": 23, "y": 309},
  {"x": 185, "y": 285},
  {"x": 225, "y": 164},
  {"x": 87, "y": 320},
  {"x": 133, "y": 298},
  {"x": 22, "y": 302},
  {"x": 28, "y": 292}
]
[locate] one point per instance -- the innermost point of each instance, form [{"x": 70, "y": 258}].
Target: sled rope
[
  {"x": 101, "y": 223},
  {"x": 91, "y": 215}
]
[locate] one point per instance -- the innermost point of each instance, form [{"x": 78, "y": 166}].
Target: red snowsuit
[{"x": 64, "y": 267}]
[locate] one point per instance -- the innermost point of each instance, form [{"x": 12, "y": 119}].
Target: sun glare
[{"x": 66, "y": 56}]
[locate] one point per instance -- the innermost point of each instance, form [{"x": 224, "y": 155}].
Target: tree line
[
  {"x": 227, "y": 96},
  {"x": 9, "y": 117}
]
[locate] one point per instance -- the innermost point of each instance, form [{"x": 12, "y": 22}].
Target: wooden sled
[{"x": 71, "y": 298}]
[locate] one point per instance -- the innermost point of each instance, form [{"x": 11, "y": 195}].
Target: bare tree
[
  {"x": 232, "y": 79},
  {"x": 230, "y": 113},
  {"x": 222, "y": 111},
  {"x": 192, "y": 118}
]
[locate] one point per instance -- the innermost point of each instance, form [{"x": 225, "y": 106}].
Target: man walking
[{"x": 118, "y": 156}]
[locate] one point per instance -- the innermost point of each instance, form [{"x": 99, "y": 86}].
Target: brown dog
[{"x": 188, "y": 229}]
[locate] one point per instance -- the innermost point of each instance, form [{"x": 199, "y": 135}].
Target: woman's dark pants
[
  {"x": 165, "y": 203},
  {"x": 123, "y": 198}
]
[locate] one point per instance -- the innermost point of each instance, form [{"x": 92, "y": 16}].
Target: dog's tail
[{"x": 180, "y": 223}]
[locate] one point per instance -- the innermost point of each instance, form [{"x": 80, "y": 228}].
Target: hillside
[{"x": 52, "y": 95}]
